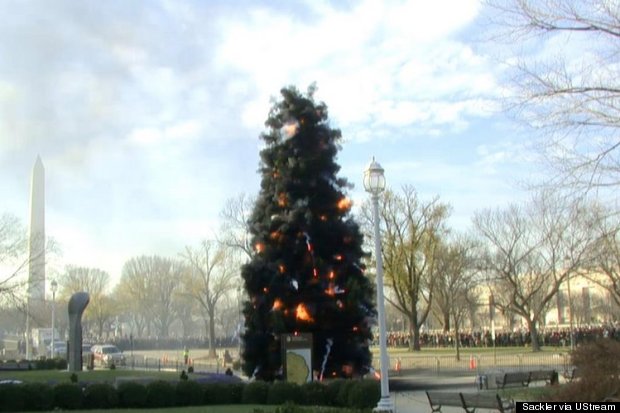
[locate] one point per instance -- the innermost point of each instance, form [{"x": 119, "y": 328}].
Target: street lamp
[
  {"x": 374, "y": 183},
  {"x": 54, "y": 287},
  {"x": 239, "y": 319}
]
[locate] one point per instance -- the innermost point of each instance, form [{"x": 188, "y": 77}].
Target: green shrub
[
  {"x": 131, "y": 395},
  {"x": 223, "y": 393},
  {"x": 342, "y": 399},
  {"x": 190, "y": 369},
  {"x": 332, "y": 390},
  {"x": 236, "y": 365},
  {"x": 183, "y": 375},
  {"x": 190, "y": 393},
  {"x": 282, "y": 391},
  {"x": 100, "y": 396},
  {"x": 314, "y": 393},
  {"x": 12, "y": 397},
  {"x": 364, "y": 394},
  {"x": 160, "y": 394},
  {"x": 67, "y": 396},
  {"x": 598, "y": 364},
  {"x": 255, "y": 393},
  {"x": 289, "y": 407},
  {"x": 45, "y": 364},
  {"x": 73, "y": 378},
  {"x": 61, "y": 364},
  {"x": 38, "y": 396}
]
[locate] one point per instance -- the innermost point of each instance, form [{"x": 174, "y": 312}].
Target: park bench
[
  {"x": 513, "y": 378},
  {"x": 548, "y": 376},
  {"x": 468, "y": 401},
  {"x": 571, "y": 374},
  {"x": 437, "y": 399}
]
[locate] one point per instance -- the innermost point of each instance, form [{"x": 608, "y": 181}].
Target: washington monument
[
  {"x": 36, "y": 247},
  {"x": 36, "y": 244}
]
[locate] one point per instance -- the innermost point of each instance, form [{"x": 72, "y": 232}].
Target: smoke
[{"x": 328, "y": 348}]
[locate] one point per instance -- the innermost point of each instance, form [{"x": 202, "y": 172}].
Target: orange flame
[
  {"x": 331, "y": 275},
  {"x": 344, "y": 204},
  {"x": 282, "y": 268},
  {"x": 259, "y": 247},
  {"x": 302, "y": 313},
  {"x": 338, "y": 257},
  {"x": 277, "y": 304},
  {"x": 282, "y": 199},
  {"x": 323, "y": 218}
]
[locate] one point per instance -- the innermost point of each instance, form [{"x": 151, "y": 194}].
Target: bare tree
[
  {"x": 148, "y": 284},
  {"x": 13, "y": 249},
  {"x": 603, "y": 264},
  {"x": 184, "y": 308},
  {"x": 132, "y": 294},
  {"x": 235, "y": 231},
  {"x": 95, "y": 282},
  {"x": 15, "y": 260},
  {"x": 210, "y": 277},
  {"x": 455, "y": 283},
  {"x": 569, "y": 86},
  {"x": 530, "y": 251},
  {"x": 411, "y": 232}
]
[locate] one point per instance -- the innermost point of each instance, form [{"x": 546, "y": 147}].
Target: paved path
[{"x": 409, "y": 392}]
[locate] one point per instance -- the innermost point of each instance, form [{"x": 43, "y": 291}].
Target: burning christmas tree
[{"x": 306, "y": 275}]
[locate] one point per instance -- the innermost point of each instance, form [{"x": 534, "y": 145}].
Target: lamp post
[
  {"x": 239, "y": 319},
  {"x": 54, "y": 287},
  {"x": 570, "y": 303},
  {"x": 374, "y": 183}
]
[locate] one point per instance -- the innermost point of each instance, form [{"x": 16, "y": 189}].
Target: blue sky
[{"x": 147, "y": 114}]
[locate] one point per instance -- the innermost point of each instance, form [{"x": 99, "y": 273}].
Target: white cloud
[{"x": 386, "y": 60}]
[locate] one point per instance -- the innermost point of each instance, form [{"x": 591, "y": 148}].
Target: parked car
[
  {"x": 60, "y": 349},
  {"x": 86, "y": 349},
  {"x": 107, "y": 354}
]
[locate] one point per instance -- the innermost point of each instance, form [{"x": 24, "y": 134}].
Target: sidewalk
[{"x": 413, "y": 399}]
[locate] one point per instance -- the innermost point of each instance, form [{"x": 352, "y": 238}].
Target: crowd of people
[{"x": 484, "y": 338}]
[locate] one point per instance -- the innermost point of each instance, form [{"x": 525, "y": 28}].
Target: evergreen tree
[{"x": 306, "y": 273}]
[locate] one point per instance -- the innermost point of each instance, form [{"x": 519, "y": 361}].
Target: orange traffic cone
[{"x": 472, "y": 362}]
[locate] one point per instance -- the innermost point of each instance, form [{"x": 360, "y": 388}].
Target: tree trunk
[
  {"x": 533, "y": 334},
  {"x": 99, "y": 328},
  {"x": 212, "y": 334},
  {"x": 446, "y": 322},
  {"x": 457, "y": 342},
  {"x": 414, "y": 332}
]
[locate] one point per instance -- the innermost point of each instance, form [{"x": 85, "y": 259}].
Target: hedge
[{"x": 358, "y": 394}]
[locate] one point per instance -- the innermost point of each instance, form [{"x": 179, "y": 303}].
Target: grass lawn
[
  {"x": 534, "y": 393},
  {"x": 59, "y": 376},
  {"x": 401, "y": 351}
]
